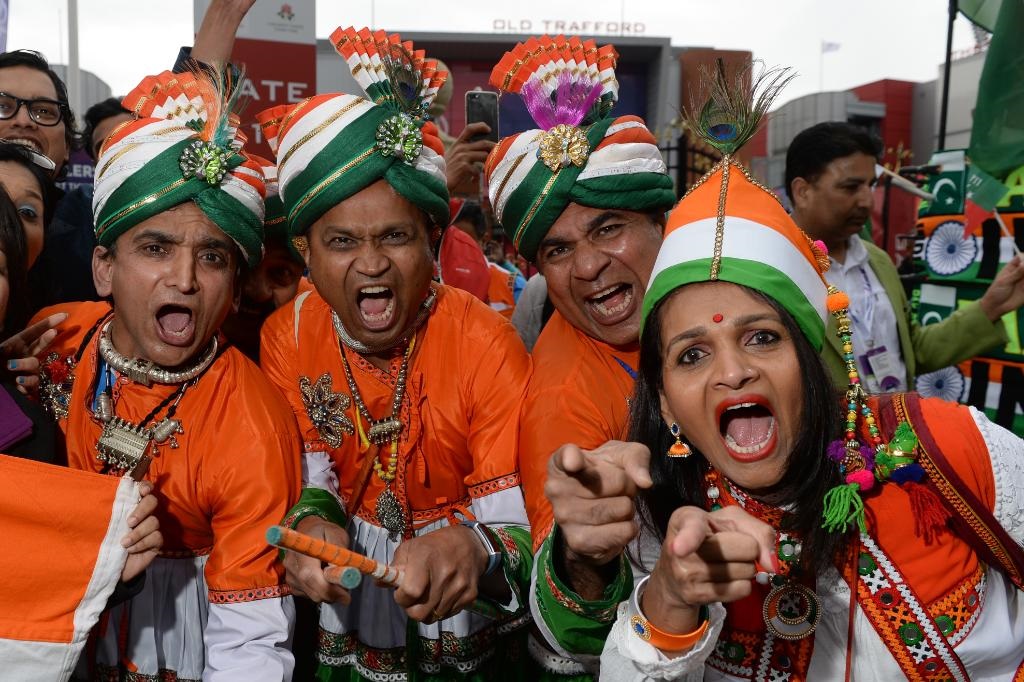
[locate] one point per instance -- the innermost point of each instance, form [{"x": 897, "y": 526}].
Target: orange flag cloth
[{"x": 61, "y": 559}]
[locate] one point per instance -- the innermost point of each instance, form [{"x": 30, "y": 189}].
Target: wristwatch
[{"x": 490, "y": 544}]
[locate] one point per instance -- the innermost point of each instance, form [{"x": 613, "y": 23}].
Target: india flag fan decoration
[
  {"x": 62, "y": 531},
  {"x": 579, "y": 152},
  {"x": 331, "y": 146}
]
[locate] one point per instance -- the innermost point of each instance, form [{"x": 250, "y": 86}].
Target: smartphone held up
[{"x": 482, "y": 106}]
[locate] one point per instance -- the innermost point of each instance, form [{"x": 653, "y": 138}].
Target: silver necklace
[
  {"x": 364, "y": 349},
  {"x": 122, "y": 444},
  {"x": 388, "y": 428},
  {"x": 147, "y": 373}
]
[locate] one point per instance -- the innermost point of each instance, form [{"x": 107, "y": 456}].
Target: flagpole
[
  {"x": 1006, "y": 232},
  {"x": 944, "y": 111}
]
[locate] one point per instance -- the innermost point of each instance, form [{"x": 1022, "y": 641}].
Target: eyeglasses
[{"x": 45, "y": 112}]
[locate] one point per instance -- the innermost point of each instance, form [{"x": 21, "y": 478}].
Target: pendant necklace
[
  {"x": 123, "y": 445},
  {"x": 387, "y": 430},
  {"x": 791, "y": 610}
]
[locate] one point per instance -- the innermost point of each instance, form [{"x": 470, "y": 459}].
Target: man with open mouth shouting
[
  {"x": 584, "y": 198},
  {"x": 143, "y": 382},
  {"x": 407, "y": 392}
]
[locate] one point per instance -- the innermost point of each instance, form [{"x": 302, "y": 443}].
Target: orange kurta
[
  {"x": 233, "y": 475},
  {"x": 578, "y": 394},
  {"x": 466, "y": 381}
]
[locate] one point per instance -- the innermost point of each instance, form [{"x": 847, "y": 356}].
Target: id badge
[{"x": 881, "y": 364}]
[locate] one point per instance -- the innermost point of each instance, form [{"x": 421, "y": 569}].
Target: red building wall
[{"x": 898, "y": 98}]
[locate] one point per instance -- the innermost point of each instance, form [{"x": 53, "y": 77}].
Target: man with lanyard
[
  {"x": 143, "y": 382},
  {"x": 591, "y": 220},
  {"x": 407, "y": 392},
  {"x": 830, "y": 170}
]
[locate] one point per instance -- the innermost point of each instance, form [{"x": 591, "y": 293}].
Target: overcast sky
[{"x": 123, "y": 40}]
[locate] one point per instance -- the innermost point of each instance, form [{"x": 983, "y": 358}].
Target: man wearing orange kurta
[
  {"x": 584, "y": 198},
  {"x": 407, "y": 392},
  {"x": 592, "y": 224},
  {"x": 145, "y": 387}
]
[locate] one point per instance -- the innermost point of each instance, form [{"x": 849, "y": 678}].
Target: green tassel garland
[{"x": 843, "y": 506}]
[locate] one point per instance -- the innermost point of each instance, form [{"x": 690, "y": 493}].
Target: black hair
[
  {"x": 15, "y": 248},
  {"x": 12, "y": 151},
  {"x": 95, "y": 115},
  {"x": 36, "y": 60},
  {"x": 815, "y": 148},
  {"x": 809, "y": 472}
]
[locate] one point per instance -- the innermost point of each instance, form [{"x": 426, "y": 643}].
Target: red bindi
[{"x": 718, "y": 317}]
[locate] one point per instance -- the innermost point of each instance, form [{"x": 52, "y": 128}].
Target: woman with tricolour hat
[
  {"x": 785, "y": 534},
  {"x": 407, "y": 392}
]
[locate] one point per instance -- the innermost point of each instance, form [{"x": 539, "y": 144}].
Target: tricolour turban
[
  {"x": 274, "y": 222},
  {"x": 184, "y": 145},
  {"x": 329, "y": 147},
  {"x": 579, "y": 154}
]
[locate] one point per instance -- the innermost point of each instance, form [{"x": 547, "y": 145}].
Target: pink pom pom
[
  {"x": 863, "y": 478},
  {"x": 821, "y": 245}
]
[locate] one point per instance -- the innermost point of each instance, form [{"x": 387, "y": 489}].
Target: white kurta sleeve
[
  {"x": 628, "y": 658},
  {"x": 250, "y": 641},
  {"x": 1007, "y": 453},
  {"x": 318, "y": 472}
]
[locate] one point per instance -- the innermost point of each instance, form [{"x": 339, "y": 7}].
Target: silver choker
[
  {"x": 145, "y": 372},
  {"x": 363, "y": 349}
]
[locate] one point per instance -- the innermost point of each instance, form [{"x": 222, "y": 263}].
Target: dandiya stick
[
  {"x": 348, "y": 577},
  {"x": 285, "y": 538}
]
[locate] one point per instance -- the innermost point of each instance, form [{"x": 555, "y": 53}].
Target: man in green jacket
[{"x": 830, "y": 171}]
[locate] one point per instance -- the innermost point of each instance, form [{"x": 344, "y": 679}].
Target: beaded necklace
[{"x": 388, "y": 429}]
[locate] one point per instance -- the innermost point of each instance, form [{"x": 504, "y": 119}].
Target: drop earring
[{"x": 679, "y": 448}]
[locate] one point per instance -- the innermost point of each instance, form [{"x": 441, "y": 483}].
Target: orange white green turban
[
  {"x": 183, "y": 146},
  {"x": 329, "y": 147},
  {"x": 274, "y": 223},
  {"x": 579, "y": 153}
]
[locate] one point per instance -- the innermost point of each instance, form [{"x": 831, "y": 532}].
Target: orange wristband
[{"x": 659, "y": 639}]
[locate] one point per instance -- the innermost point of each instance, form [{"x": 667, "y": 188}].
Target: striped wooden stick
[{"x": 285, "y": 538}]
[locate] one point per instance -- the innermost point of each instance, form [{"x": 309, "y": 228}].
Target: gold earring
[{"x": 679, "y": 448}]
